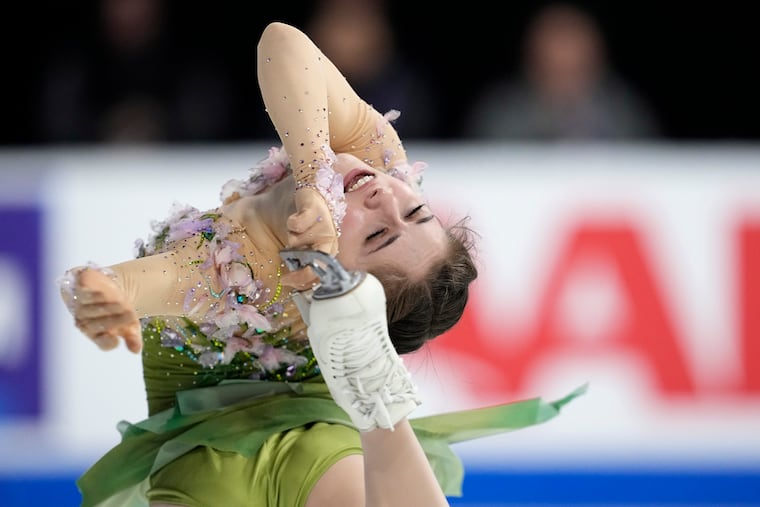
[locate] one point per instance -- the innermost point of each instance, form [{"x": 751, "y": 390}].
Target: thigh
[
  {"x": 201, "y": 478},
  {"x": 282, "y": 472}
]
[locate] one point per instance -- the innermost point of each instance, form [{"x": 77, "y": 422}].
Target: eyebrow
[{"x": 393, "y": 238}]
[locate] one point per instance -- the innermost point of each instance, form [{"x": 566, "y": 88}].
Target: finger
[
  {"x": 108, "y": 324},
  {"x": 330, "y": 247},
  {"x": 133, "y": 337},
  {"x": 298, "y": 240},
  {"x": 85, "y": 296},
  {"x": 99, "y": 310},
  {"x": 106, "y": 341},
  {"x": 95, "y": 327},
  {"x": 300, "y": 222},
  {"x": 313, "y": 236},
  {"x": 300, "y": 280}
]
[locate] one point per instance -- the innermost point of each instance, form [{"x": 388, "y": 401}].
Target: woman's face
[{"x": 387, "y": 223}]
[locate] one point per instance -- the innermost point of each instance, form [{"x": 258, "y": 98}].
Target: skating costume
[{"x": 238, "y": 411}]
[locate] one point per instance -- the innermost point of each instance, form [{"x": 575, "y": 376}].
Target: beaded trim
[
  {"x": 330, "y": 185},
  {"x": 69, "y": 283}
]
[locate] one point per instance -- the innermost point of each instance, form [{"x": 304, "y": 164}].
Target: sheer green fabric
[{"x": 239, "y": 416}]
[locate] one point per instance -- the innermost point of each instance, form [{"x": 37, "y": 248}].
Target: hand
[
  {"x": 102, "y": 312},
  {"x": 301, "y": 280},
  {"x": 312, "y": 226}
]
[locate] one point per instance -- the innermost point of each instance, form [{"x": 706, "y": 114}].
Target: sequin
[
  {"x": 238, "y": 335},
  {"x": 171, "y": 338}
]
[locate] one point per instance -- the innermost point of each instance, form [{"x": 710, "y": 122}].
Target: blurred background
[
  {"x": 611, "y": 167},
  {"x": 187, "y": 69}
]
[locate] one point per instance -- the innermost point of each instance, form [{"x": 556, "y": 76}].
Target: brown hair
[{"x": 419, "y": 311}]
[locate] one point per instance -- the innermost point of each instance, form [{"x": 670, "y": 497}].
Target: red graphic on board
[{"x": 646, "y": 329}]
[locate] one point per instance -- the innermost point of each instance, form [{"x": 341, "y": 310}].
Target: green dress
[
  {"x": 238, "y": 412},
  {"x": 263, "y": 442}
]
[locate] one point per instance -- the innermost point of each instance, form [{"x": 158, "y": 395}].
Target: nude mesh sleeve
[
  {"x": 314, "y": 108},
  {"x": 171, "y": 283}
]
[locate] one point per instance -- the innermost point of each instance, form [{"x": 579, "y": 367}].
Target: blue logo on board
[{"x": 20, "y": 314}]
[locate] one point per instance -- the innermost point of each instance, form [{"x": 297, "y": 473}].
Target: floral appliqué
[
  {"x": 263, "y": 175},
  {"x": 239, "y": 329},
  {"x": 330, "y": 185},
  {"x": 409, "y": 173}
]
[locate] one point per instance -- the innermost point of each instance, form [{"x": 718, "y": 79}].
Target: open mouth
[{"x": 356, "y": 179}]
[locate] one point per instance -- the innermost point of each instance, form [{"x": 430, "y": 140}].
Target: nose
[
  {"x": 384, "y": 203},
  {"x": 378, "y": 197}
]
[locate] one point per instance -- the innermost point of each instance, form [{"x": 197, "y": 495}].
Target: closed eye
[
  {"x": 375, "y": 234},
  {"x": 415, "y": 211},
  {"x": 409, "y": 215}
]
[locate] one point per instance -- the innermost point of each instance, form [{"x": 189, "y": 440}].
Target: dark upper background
[{"x": 694, "y": 63}]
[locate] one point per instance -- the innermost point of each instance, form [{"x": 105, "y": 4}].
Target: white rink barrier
[{"x": 635, "y": 269}]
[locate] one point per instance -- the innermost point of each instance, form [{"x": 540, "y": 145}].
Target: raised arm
[{"x": 313, "y": 107}]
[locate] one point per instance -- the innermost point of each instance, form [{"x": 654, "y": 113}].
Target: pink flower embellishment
[
  {"x": 275, "y": 166},
  {"x": 186, "y": 227},
  {"x": 236, "y": 274},
  {"x": 267, "y": 172},
  {"x": 269, "y": 359},
  {"x": 330, "y": 185},
  {"x": 388, "y": 117},
  {"x": 251, "y": 316},
  {"x": 410, "y": 173},
  {"x": 233, "y": 346},
  {"x": 225, "y": 253}
]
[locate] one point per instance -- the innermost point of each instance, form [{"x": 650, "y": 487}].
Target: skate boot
[{"x": 348, "y": 333}]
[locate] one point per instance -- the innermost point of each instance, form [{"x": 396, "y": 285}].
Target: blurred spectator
[
  {"x": 131, "y": 86},
  {"x": 566, "y": 89},
  {"x": 358, "y": 36}
]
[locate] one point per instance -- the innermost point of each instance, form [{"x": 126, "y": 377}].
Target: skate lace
[{"x": 374, "y": 374}]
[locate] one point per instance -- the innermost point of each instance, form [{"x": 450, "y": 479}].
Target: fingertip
[
  {"x": 134, "y": 341},
  {"x": 106, "y": 342},
  {"x": 329, "y": 248},
  {"x": 299, "y": 280},
  {"x": 134, "y": 346},
  {"x": 289, "y": 280},
  {"x": 296, "y": 225},
  {"x": 295, "y": 242}
]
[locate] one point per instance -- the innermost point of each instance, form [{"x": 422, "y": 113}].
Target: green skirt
[{"x": 240, "y": 415}]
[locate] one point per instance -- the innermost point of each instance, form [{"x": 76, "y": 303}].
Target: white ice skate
[{"x": 348, "y": 332}]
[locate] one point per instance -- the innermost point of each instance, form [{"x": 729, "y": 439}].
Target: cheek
[
  {"x": 352, "y": 219},
  {"x": 348, "y": 257},
  {"x": 355, "y": 220},
  {"x": 349, "y": 244},
  {"x": 352, "y": 237}
]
